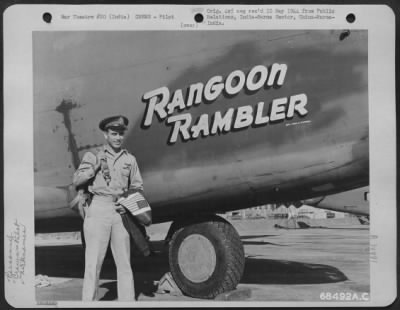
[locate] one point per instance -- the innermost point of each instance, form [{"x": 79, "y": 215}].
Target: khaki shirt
[{"x": 124, "y": 173}]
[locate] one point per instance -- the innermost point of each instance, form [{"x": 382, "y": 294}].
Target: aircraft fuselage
[{"x": 281, "y": 116}]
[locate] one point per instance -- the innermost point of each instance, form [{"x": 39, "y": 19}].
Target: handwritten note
[
  {"x": 15, "y": 244},
  {"x": 373, "y": 244}
]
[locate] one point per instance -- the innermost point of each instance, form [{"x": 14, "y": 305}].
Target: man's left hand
[{"x": 120, "y": 209}]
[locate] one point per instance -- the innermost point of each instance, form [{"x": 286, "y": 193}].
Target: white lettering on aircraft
[{"x": 160, "y": 103}]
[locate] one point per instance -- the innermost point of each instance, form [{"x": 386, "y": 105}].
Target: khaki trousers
[{"x": 102, "y": 224}]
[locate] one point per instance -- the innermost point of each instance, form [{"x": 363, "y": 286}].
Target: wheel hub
[{"x": 197, "y": 258}]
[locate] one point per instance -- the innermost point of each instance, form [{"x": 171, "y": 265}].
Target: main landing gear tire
[{"x": 206, "y": 258}]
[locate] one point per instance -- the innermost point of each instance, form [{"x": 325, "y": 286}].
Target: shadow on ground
[
  {"x": 261, "y": 243},
  {"x": 270, "y": 271},
  {"x": 346, "y": 228},
  {"x": 68, "y": 262},
  {"x": 256, "y": 236}
]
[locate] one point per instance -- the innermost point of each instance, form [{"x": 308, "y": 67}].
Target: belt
[{"x": 105, "y": 198}]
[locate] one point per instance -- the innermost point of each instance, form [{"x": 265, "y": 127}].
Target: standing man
[{"x": 109, "y": 173}]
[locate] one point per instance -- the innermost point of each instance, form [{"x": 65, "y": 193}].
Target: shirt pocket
[{"x": 126, "y": 169}]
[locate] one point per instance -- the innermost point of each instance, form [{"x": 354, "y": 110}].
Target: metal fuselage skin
[
  {"x": 317, "y": 151},
  {"x": 355, "y": 202}
]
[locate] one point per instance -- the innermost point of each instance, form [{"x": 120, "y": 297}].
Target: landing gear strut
[{"x": 206, "y": 257}]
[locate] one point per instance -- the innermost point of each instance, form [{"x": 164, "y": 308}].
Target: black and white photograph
[{"x": 197, "y": 166}]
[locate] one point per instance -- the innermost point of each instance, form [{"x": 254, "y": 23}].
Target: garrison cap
[{"x": 118, "y": 122}]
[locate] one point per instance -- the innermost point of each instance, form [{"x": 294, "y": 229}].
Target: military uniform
[{"x": 102, "y": 222}]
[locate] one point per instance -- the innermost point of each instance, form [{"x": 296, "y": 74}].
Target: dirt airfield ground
[{"x": 281, "y": 264}]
